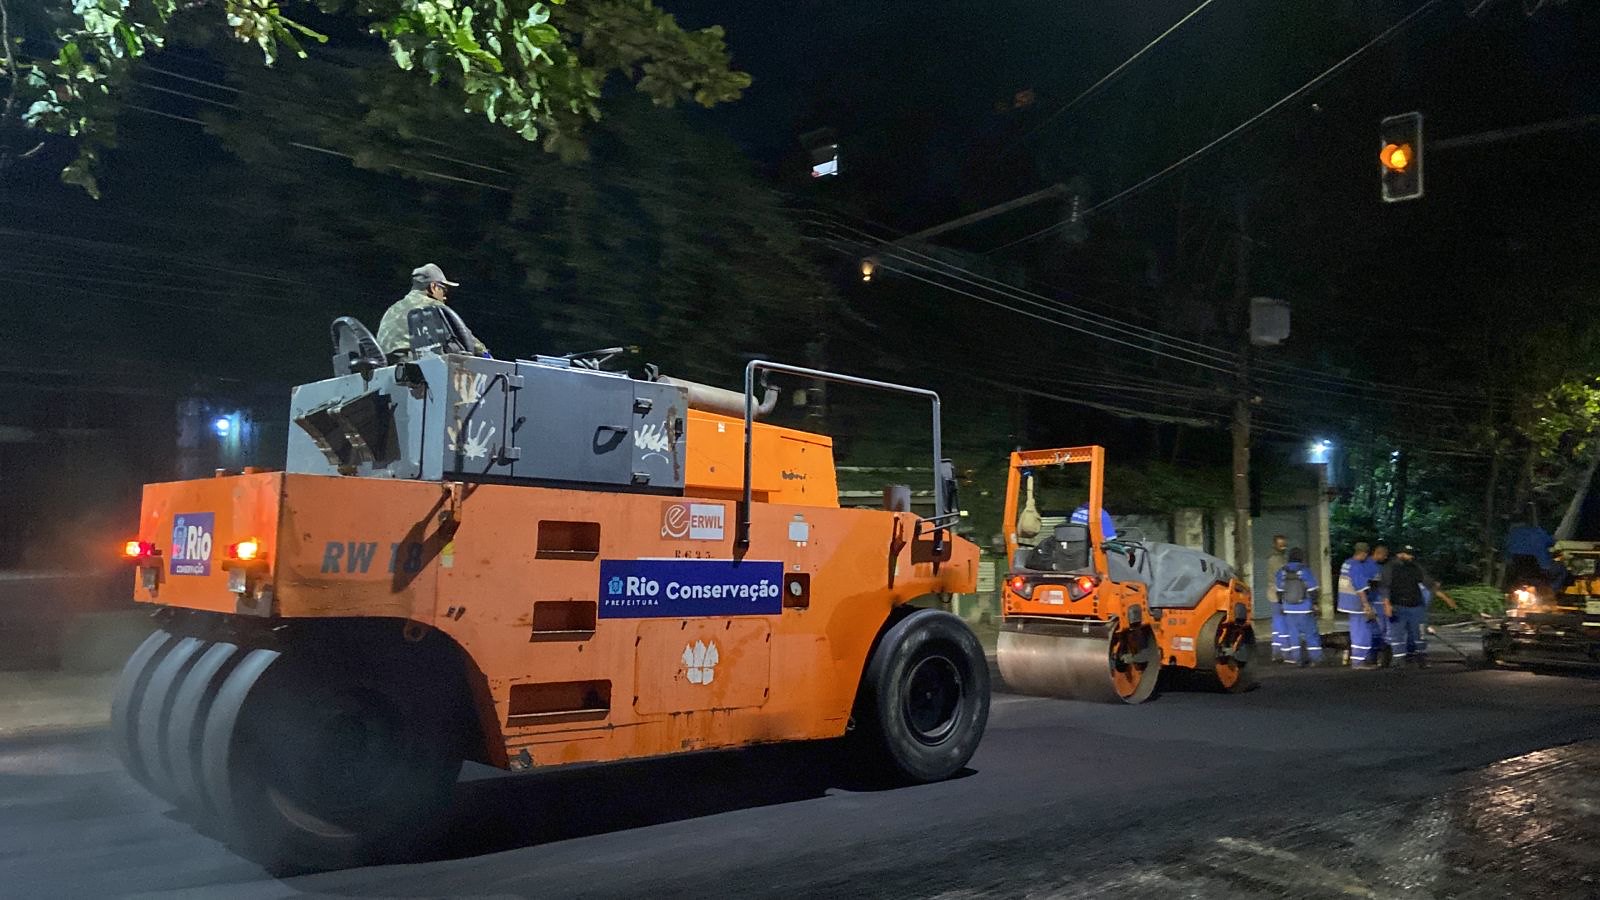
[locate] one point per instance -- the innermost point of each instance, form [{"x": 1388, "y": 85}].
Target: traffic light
[{"x": 1400, "y": 157}]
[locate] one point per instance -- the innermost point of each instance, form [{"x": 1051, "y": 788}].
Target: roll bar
[
  {"x": 940, "y": 514},
  {"x": 1092, "y": 455}
]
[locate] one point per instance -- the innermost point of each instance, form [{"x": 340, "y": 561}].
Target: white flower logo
[{"x": 700, "y": 658}]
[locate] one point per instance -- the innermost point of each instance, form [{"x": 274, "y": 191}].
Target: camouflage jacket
[{"x": 394, "y": 334}]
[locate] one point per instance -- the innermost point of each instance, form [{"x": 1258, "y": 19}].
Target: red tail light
[
  {"x": 246, "y": 550},
  {"x": 135, "y": 550},
  {"x": 1019, "y": 586},
  {"x": 1083, "y": 586}
]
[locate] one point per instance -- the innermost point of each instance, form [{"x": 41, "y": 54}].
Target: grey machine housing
[{"x": 456, "y": 417}]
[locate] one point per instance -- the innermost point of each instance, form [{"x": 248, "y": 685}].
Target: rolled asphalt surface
[{"x": 1449, "y": 782}]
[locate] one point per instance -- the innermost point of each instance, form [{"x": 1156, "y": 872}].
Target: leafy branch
[{"x": 534, "y": 67}]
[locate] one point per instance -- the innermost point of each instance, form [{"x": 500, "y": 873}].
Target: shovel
[{"x": 1469, "y": 661}]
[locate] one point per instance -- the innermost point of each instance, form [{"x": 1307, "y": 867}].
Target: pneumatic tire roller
[{"x": 530, "y": 565}]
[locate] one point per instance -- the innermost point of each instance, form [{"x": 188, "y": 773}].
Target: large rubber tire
[
  {"x": 316, "y": 765},
  {"x": 924, "y": 698},
  {"x": 155, "y": 714},
  {"x": 129, "y": 699},
  {"x": 186, "y": 722}
]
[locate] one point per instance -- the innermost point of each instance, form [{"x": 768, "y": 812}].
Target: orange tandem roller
[
  {"x": 1091, "y": 618},
  {"x": 332, "y": 647}
]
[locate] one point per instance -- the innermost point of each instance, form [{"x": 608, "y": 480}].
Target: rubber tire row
[
  {"x": 162, "y": 709},
  {"x": 195, "y": 721}
]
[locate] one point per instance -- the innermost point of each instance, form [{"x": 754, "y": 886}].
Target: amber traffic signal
[{"x": 1400, "y": 157}]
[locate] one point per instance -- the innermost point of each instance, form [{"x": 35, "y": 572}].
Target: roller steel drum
[{"x": 1076, "y": 659}]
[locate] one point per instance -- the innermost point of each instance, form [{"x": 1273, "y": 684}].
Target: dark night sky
[
  {"x": 1417, "y": 292},
  {"x": 912, "y": 90},
  {"x": 936, "y": 69}
]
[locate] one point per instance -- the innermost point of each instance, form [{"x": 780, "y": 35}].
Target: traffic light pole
[{"x": 1511, "y": 134}]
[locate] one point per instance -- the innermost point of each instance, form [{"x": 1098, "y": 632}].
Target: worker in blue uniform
[
  {"x": 1280, "y": 633},
  {"x": 1408, "y": 587},
  {"x": 1108, "y": 529},
  {"x": 1355, "y": 581},
  {"x": 1297, "y": 597},
  {"x": 1380, "y": 604}
]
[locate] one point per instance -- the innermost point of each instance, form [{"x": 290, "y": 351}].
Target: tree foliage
[
  {"x": 536, "y": 68},
  {"x": 336, "y": 178}
]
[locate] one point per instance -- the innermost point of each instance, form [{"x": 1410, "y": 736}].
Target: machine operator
[{"x": 429, "y": 287}]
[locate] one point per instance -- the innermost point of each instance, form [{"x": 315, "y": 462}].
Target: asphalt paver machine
[{"x": 1555, "y": 625}]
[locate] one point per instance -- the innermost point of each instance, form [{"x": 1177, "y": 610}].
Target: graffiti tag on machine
[
  {"x": 652, "y": 438},
  {"x": 471, "y": 440},
  {"x": 667, "y": 588},
  {"x": 192, "y": 537},
  {"x": 693, "y": 521}
]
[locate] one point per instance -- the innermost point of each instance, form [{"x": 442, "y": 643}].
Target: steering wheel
[{"x": 594, "y": 359}]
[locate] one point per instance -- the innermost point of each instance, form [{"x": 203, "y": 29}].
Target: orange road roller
[
  {"x": 1087, "y": 616},
  {"x": 531, "y": 564}
]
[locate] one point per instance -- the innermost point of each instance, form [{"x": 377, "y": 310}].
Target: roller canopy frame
[{"x": 1094, "y": 456}]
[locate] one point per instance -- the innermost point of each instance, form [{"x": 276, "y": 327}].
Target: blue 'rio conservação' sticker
[
  {"x": 666, "y": 588},
  {"x": 192, "y": 537}
]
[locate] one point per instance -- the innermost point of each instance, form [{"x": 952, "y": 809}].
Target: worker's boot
[{"x": 1422, "y": 660}]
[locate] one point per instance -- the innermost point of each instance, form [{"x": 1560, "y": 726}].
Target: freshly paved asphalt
[{"x": 1322, "y": 783}]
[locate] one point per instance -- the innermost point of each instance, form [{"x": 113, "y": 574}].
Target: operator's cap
[
  {"x": 422, "y": 276},
  {"x": 1408, "y": 549}
]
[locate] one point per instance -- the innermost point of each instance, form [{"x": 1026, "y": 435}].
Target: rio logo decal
[{"x": 192, "y": 537}]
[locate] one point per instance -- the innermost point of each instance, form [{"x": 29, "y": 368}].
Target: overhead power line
[
  {"x": 1104, "y": 80},
  {"x": 1181, "y": 349},
  {"x": 1331, "y": 72},
  {"x": 1357, "y": 388},
  {"x": 443, "y": 176},
  {"x": 986, "y": 290},
  {"x": 1118, "y": 326}
]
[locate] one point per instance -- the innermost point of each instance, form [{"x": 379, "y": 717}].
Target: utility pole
[{"x": 1243, "y": 545}]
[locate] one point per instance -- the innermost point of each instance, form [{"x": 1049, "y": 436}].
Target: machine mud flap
[{"x": 1079, "y": 659}]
